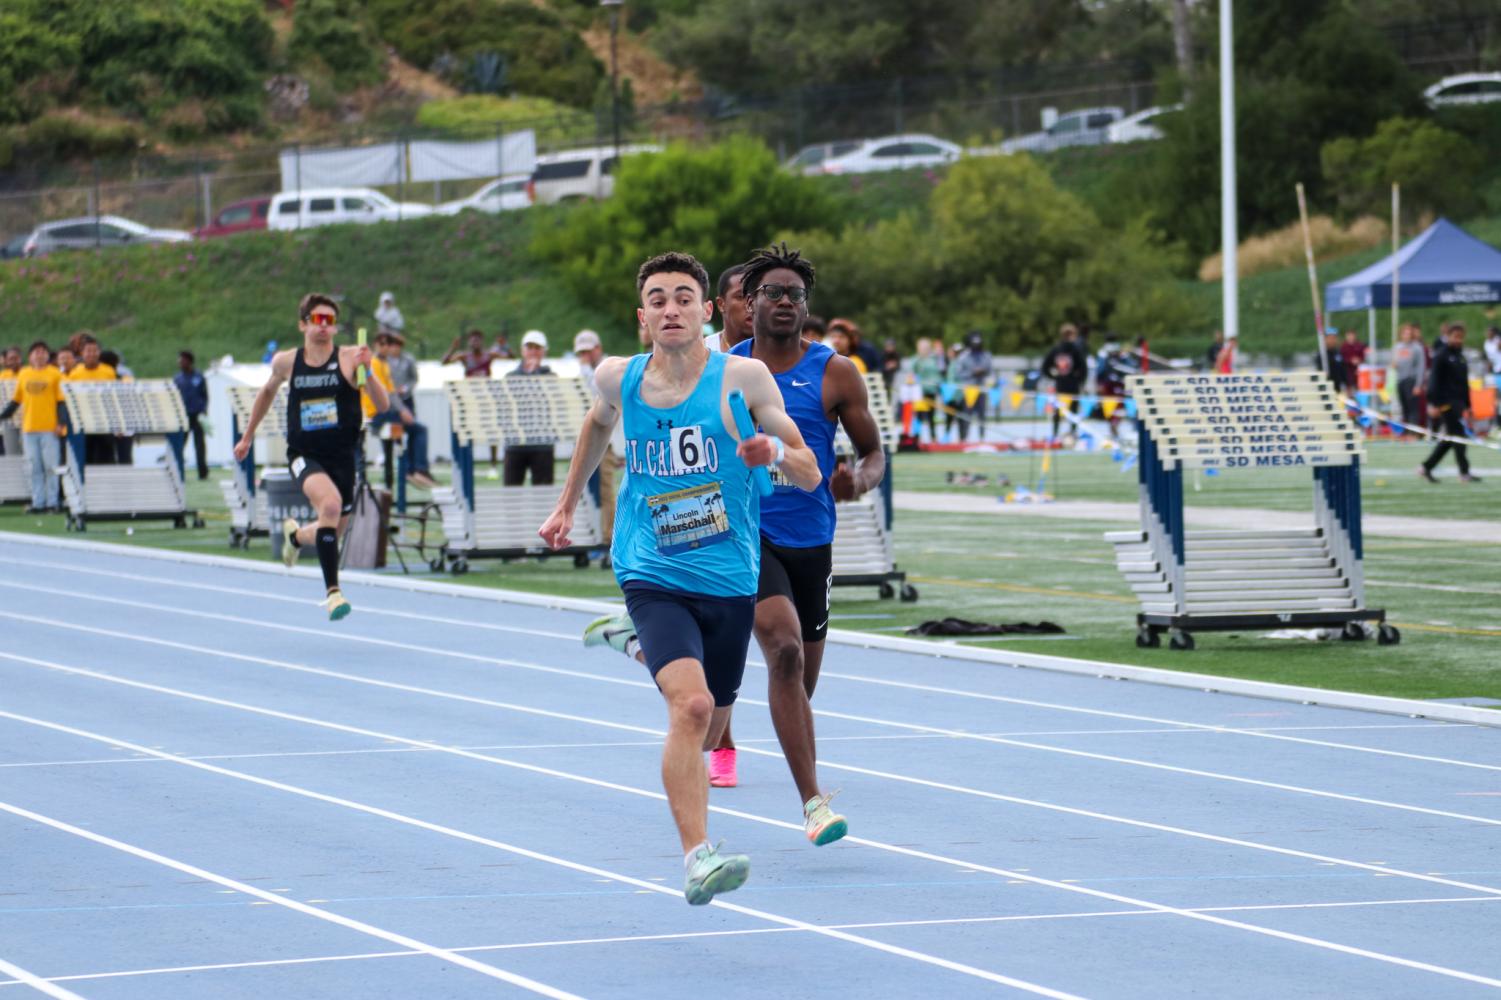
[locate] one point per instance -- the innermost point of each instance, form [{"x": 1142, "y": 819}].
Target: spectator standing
[
  {"x": 815, "y": 329},
  {"x": 928, "y": 368},
  {"x": 891, "y": 363},
  {"x": 502, "y": 348},
  {"x": 193, "y": 389},
  {"x": 1067, "y": 365},
  {"x": 66, "y": 361},
  {"x": 536, "y": 458},
  {"x": 476, "y": 360},
  {"x": 1352, "y": 352},
  {"x": 1334, "y": 365},
  {"x": 1493, "y": 349},
  {"x": 1449, "y": 396},
  {"x": 124, "y": 444},
  {"x": 972, "y": 370},
  {"x": 842, "y": 342},
  {"x": 388, "y": 318},
  {"x": 602, "y": 485},
  {"x": 863, "y": 348},
  {"x": 1212, "y": 355},
  {"x": 39, "y": 396},
  {"x": 403, "y": 369},
  {"x": 1411, "y": 364},
  {"x": 10, "y": 366},
  {"x": 98, "y": 449},
  {"x": 397, "y": 412}
]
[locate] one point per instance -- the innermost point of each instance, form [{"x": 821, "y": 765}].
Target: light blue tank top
[
  {"x": 686, "y": 519},
  {"x": 792, "y": 517}
]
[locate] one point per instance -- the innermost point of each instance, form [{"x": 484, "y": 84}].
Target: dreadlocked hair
[{"x": 765, "y": 261}]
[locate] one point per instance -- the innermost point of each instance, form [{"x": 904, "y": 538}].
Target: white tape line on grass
[
  {"x": 531, "y": 985},
  {"x": 1263, "y": 690},
  {"x": 573, "y": 639},
  {"x": 36, "y": 982},
  {"x": 821, "y": 713},
  {"x": 774, "y": 918},
  {"x": 785, "y": 921}
]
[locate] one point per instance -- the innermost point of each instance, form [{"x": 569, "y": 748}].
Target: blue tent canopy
[{"x": 1443, "y": 266}]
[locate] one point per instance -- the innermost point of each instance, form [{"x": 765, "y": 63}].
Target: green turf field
[{"x": 1442, "y": 591}]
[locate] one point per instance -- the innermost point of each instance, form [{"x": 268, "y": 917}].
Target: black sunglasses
[{"x": 795, "y": 294}]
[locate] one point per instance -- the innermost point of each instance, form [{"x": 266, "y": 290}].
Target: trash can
[{"x": 284, "y": 499}]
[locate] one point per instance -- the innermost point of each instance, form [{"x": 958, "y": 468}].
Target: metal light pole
[
  {"x": 614, "y": 6},
  {"x": 1228, "y": 202}
]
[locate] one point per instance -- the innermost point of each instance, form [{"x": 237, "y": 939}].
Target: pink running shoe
[{"x": 722, "y": 768}]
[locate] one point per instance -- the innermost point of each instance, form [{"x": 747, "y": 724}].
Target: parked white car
[
  {"x": 330, "y": 206},
  {"x": 579, "y": 173},
  {"x": 1085, "y": 127},
  {"x": 88, "y": 232},
  {"x": 889, "y": 152},
  {"x": 1142, "y": 126},
  {"x": 504, "y": 194},
  {"x": 1466, "y": 88},
  {"x": 810, "y": 159}
]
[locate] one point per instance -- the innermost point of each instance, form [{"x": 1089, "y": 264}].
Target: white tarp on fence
[
  {"x": 402, "y": 162},
  {"x": 364, "y": 166},
  {"x": 513, "y": 153}
]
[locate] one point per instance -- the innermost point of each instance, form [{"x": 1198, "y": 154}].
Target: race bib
[
  {"x": 319, "y": 414},
  {"x": 689, "y": 518},
  {"x": 687, "y": 450}
]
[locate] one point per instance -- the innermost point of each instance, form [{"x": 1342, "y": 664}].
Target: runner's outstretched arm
[
  {"x": 594, "y": 438},
  {"x": 281, "y": 370}
]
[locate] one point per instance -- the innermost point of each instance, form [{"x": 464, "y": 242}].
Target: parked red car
[{"x": 240, "y": 217}]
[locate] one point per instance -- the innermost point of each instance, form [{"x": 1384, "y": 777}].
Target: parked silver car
[
  {"x": 89, "y": 232},
  {"x": 1085, "y": 127}
]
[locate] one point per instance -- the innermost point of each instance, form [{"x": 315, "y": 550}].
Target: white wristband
[{"x": 781, "y": 451}]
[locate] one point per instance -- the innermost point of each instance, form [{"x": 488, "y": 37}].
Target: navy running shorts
[{"x": 715, "y": 631}]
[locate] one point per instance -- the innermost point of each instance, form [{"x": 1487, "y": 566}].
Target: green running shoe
[
  {"x": 712, "y": 873},
  {"x": 822, "y": 824},
  {"x": 337, "y": 606},
  {"x": 616, "y": 631}
]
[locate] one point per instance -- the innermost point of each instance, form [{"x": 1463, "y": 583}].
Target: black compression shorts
[
  {"x": 340, "y": 470},
  {"x": 715, "y": 631},
  {"x": 803, "y": 576}
]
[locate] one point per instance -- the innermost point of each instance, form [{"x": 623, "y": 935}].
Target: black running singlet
[{"x": 323, "y": 409}]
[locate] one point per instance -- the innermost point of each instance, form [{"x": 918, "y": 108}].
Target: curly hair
[
  {"x": 674, "y": 262},
  {"x": 763, "y": 262}
]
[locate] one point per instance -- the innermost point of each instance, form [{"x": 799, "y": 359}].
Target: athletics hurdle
[
  {"x": 863, "y": 553},
  {"x": 15, "y": 473},
  {"x": 1225, "y": 580}
]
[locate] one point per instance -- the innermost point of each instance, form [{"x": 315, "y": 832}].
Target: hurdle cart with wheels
[
  {"x": 863, "y": 555},
  {"x": 146, "y": 409},
  {"x": 1234, "y": 580}
]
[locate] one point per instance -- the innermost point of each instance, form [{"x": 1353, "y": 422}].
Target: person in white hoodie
[{"x": 388, "y": 318}]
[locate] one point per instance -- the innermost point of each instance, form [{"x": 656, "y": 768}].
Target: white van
[
  {"x": 330, "y": 206},
  {"x": 579, "y": 173}
]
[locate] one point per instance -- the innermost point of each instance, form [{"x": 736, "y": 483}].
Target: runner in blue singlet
[{"x": 686, "y": 549}]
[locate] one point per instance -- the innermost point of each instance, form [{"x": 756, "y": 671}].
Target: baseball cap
[
  {"x": 536, "y": 337},
  {"x": 585, "y": 340}
]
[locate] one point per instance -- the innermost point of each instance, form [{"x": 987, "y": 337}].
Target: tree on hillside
[{"x": 1307, "y": 71}]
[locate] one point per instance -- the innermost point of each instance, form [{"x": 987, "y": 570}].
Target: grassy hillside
[{"x": 230, "y": 296}]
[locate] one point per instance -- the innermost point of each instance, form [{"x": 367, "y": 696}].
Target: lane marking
[
  {"x": 838, "y": 675},
  {"x": 27, "y": 978},
  {"x": 271, "y": 898},
  {"x": 748, "y": 932},
  {"x": 824, "y": 713},
  {"x": 642, "y": 884},
  {"x": 786, "y": 921}
]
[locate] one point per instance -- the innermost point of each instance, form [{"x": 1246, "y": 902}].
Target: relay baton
[
  {"x": 747, "y": 429},
  {"x": 359, "y": 375}
]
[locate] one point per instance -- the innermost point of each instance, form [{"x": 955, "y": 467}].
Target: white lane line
[
  {"x": 826, "y": 713},
  {"x": 645, "y": 730},
  {"x": 641, "y": 884},
  {"x": 879, "y": 845},
  {"x": 752, "y": 931},
  {"x": 856, "y": 678},
  {"x": 359, "y": 926},
  {"x": 36, "y": 982}
]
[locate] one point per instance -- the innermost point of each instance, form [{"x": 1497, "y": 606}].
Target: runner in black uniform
[{"x": 323, "y": 433}]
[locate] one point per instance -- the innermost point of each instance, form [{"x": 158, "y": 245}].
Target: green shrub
[
  {"x": 1001, "y": 250},
  {"x": 337, "y": 35},
  {"x": 718, "y": 203},
  {"x": 542, "y": 56},
  {"x": 1437, "y": 169},
  {"x": 483, "y": 114}
]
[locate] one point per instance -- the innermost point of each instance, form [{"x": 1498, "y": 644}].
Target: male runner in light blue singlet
[{"x": 686, "y": 549}]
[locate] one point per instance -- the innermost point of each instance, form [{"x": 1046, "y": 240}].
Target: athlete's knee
[
  {"x": 328, "y": 511},
  {"x": 784, "y": 657},
  {"x": 692, "y": 709}
]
